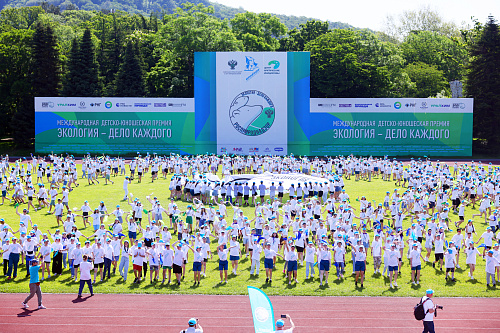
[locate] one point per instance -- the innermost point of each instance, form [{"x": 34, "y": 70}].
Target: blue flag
[{"x": 262, "y": 310}]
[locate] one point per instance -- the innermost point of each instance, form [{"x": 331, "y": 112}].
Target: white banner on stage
[{"x": 251, "y": 94}]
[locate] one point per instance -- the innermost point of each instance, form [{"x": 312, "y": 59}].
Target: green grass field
[{"x": 375, "y": 285}]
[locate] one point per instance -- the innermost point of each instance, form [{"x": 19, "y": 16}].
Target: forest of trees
[{"x": 50, "y": 52}]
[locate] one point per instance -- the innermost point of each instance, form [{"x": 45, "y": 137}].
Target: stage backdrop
[
  {"x": 254, "y": 103},
  {"x": 245, "y": 101}
]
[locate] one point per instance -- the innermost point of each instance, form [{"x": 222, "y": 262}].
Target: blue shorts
[
  {"x": 132, "y": 234},
  {"x": 116, "y": 258},
  {"x": 268, "y": 263},
  {"x": 232, "y": 258},
  {"x": 324, "y": 265},
  {"x": 96, "y": 227},
  {"x": 197, "y": 266},
  {"x": 338, "y": 188},
  {"x": 360, "y": 266},
  {"x": 393, "y": 268},
  {"x": 223, "y": 264},
  {"x": 292, "y": 266},
  {"x": 416, "y": 268}
]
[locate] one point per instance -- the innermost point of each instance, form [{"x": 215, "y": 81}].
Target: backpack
[{"x": 418, "y": 310}]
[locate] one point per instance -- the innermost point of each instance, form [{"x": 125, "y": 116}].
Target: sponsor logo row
[
  {"x": 109, "y": 105},
  {"x": 396, "y": 105},
  {"x": 252, "y": 150}
]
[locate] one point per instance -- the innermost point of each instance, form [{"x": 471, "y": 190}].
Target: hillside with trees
[{"x": 147, "y": 7}]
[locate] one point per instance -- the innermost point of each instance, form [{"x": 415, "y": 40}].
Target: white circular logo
[
  {"x": 261, "y": 314},
  {"x": 252, "y": 113}
]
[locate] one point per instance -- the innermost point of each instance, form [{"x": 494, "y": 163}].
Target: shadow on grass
[
  {"x": 219, "y": 284},
  {"x": 120, "y": 282},
  {"x": 450, "y": 282},
  {"x": 194, "y": 286},
  {"x": 472, "y": 281},
  {"x": 415, "y": 287},
  {"x": 390, "y": 291}
]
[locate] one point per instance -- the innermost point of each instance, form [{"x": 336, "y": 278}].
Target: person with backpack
[{"x": 425, "y": 311}]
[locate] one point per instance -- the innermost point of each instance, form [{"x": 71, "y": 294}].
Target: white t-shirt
[
  {"x": 85, "y": 268},
  {"x": 377, "y": 248},
  {"x": 137, "y": 260},
  {"x": 428, "y": 305},
  {"x": 339, "y": 253},
  {"x": 310, "y": 251},
  {"x": 415, "y": 258},
  {"x": 168, "y": 257}
]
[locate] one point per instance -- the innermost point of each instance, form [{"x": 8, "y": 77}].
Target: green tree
[
  {"x": 258, "y": 32},
  {"x": 15, "y": 65},
  {"x": 298, "y": 38},
  {"x": 82, "y": 78},
  {"x": 387, "y": 55},
  {"x": 338, "y": 71},
  {"x": 46, "y": 65},
  {"x": 191, "y": 29},
  {"x": 111, "y": 32},
  {"x": 130, "y": 77},
  {"x": 483, "y": 80},
  {"x": 42, "y": 79},
  {"x": 432, "y": 48},
  {"x": 20, "y": 18},
  {"x": 429, "y": 81}
]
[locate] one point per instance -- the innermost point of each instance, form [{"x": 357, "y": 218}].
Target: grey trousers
[{"x": 34, "y": 289}]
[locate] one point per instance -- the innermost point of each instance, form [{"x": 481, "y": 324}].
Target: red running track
[{"x": 170, "y": 313}]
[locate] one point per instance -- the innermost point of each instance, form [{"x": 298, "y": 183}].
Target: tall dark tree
[
  {"x": 46, "y": 64},
  {"x": 43, "y": 80},
  {"x": 83, "y": 73},
  {"x": 483, "y": 83},
  {"x": 130, "y": 77},
  {"x": 112, "y": 35},
  {"x": 15, "y": 63}
]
